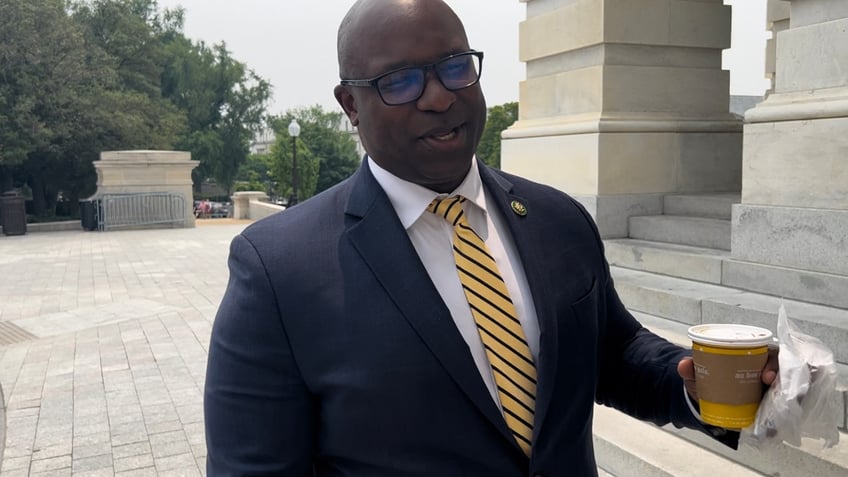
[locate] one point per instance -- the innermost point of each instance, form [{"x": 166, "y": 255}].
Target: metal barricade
[{"x": 115, "y": 211}]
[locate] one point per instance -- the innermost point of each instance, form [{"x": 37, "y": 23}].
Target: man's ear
[{"x": 348, "y": 103}]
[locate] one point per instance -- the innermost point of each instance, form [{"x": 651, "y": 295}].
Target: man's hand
[{"x": 686, "y": 369}]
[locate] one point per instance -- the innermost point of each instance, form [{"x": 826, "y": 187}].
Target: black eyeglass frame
[{"x": 373, "y": 82}]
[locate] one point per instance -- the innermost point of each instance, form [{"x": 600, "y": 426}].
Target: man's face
[{"x": 430, "y": 141}]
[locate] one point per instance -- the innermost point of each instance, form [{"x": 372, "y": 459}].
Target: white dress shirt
[{"x": 432, "y": 237}]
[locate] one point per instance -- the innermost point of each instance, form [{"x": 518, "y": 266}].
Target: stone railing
[{"x": 253, "y": 205}]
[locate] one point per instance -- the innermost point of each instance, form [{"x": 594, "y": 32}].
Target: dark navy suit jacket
[{"x": 332, "y": 353}]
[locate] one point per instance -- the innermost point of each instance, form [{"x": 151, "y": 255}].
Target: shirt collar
[{"x": 411, "y": 200}]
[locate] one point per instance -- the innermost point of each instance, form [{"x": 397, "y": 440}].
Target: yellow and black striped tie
[{"x": 497, "y": 322}]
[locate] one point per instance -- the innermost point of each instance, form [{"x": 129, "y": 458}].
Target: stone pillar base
[
  {"x": 133, "y": 172},
  {"x": 618, "y": 174},
  {"x": 793, "y": 237},
  {"x": 795, "y": 151},
  {"x": 612, "y": 211}
]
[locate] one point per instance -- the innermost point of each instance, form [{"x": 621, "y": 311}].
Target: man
[{"x": 349, "y": 341}]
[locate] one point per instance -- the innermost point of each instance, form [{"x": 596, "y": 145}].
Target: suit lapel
[
  {"x": 523, "y": 234},
  {"x": 396, "y": 264}
]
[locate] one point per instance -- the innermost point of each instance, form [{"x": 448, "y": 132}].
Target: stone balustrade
[{"x": 253, "y": 205}]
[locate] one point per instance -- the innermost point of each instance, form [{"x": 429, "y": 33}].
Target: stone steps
[
  {"x": 683, "y": 261},
  {"x": 699, "y": 220},
  {"x": 717, "y": 206},
  {"x": 692, "y": 303},
  {"x": 718, "y": 267},
  {"x": 705, "y": 232},
  {"x": 803, "y": 285},
  {"x": 627, "y": 447},
  {"x": 675, "y": 271},
  {"x": 783, "y": 461},
  {"x": 676, "y": 332}
]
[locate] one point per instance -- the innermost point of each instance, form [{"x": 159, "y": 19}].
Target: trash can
[
  {"x": 88, "y": 216},
  {"x": 14, "y": 213}
]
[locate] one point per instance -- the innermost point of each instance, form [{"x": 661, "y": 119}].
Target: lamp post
[{"x": 294, "y": 132}]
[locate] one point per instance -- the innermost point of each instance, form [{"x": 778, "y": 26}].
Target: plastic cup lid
[{"x": 730, "y": 335}]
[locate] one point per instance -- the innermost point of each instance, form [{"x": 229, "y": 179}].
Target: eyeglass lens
[{"x": 407, "y": 85}]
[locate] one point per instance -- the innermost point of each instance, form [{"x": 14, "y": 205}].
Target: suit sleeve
[
  {"x": 258, "y": 412},
  {"x": 642, "y": 380},
  {"x": 638, "y": 369}
]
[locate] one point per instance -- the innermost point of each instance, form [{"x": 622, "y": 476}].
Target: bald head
[
  {"x": 428, "y": 140},
  {"x": 366, "y": 17}
]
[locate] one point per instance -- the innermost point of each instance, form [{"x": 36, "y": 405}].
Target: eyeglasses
[{"x": 406, "y": 85}]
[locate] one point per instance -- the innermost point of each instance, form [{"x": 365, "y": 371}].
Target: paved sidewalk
[{"x": 103, "y": 340}]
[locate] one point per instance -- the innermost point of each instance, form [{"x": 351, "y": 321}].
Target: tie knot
[{"x": 450, "y": 208}]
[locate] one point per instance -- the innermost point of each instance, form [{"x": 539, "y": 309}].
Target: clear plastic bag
[{"x": 802, "y": 400}]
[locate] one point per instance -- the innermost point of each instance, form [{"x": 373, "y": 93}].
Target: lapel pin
[{"x": 518, "y": 208}]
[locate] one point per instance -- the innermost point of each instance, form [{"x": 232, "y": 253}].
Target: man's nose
[{"x": 435, "y": 96}]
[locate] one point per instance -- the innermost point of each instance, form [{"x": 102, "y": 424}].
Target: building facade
[{"x": 707, "y": 216}]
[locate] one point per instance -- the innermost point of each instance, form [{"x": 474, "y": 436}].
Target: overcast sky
[{"x": 292, "y": 43}]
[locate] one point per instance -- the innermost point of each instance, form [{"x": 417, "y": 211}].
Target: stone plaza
[{"x": 103, "y": 340}]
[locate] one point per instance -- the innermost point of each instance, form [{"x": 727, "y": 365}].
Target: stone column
[
  {"x": 777, "y": 20},
  {"x": 123, "y": 172},
  {"x": 794, "y": 210},
  {"x": 624, "y": 102}
]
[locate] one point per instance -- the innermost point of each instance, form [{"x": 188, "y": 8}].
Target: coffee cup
[{"x": 729, "y": 361}]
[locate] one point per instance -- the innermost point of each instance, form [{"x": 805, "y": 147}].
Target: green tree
[
  {"x": 66, "y": 97},
  {"x": 307, "y": 167},
  {"x": 224, "y": 101},
  {"x": 498, "y": 118},
  {"x": 331, "y": 151},
  {"x": 81, "y": 76},
  {"x": 132, "y": 33},
  {"x": 42, "y": 69},
  {"x": 128, "y": 111},
  {"x": 255, "y": 174}
]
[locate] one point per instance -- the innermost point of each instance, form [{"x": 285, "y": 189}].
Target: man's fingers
[
  {"x": 686, "y": 370},
  {"x": 771, "y": 368}
]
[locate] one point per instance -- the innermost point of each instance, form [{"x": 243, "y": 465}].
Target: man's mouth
[
  {"x": 446, "y": 136},
  {"x": 442, "y": 135}
]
